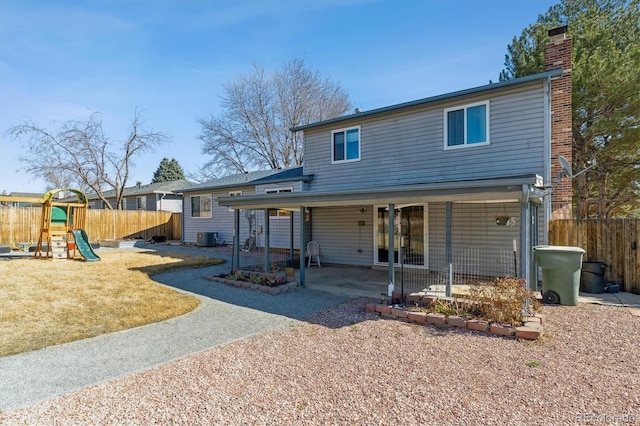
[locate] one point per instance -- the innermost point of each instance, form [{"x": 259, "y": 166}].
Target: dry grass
[{"x": 45, "y": 302}]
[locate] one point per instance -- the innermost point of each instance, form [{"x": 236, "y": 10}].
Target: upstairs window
[
  {"x": 345, "y": 145},
  {"x": 466, "y": 126},
  {"x": 201, "y": 206},
  {"x": 278, "y": 212}
]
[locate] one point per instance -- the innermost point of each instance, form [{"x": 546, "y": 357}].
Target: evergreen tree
[
  {"x": 167, "y": 171},
  {"x": 606, "y": 97}
]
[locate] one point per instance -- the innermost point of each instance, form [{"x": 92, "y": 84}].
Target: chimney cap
[{"x": 558, "y": 32}]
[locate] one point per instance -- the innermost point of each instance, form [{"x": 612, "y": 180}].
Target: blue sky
[{"x": 61, "y": 60}]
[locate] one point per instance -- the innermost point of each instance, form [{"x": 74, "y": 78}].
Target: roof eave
[
  {"x": 514, "y": 82},
  {"x": 511, "y": 184}
]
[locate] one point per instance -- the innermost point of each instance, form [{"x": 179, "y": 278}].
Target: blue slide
[{"x": 83, "y": 246}]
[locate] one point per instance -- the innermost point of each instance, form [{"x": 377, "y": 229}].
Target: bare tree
[
  {"x": 254, "y": 132},
  {"x": 79, "y": 152}
]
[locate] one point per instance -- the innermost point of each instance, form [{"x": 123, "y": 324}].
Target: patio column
[
  {"x": 525, "y": 238},
  {"x": 291, "y": 247},
  {"x": 235, "y": 257},
  {"x": 448, "y": 246},
  {"x": 302, "y": 246},
  {"x": 392, "y": 217},
  {"x": 267, "y": 248}
]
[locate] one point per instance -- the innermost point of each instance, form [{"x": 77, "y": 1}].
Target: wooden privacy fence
[
  {"x": 18, "y": 224},
  {"x": 615, "y": 242}
]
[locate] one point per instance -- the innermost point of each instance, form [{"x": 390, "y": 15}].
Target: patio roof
[{"x": 501, "y": 189}]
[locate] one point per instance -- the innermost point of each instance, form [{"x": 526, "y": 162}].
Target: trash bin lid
[{"x": 559, "y": 249}]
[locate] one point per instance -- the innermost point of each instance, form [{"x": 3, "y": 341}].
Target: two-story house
[{"x": 460, "y": 181}]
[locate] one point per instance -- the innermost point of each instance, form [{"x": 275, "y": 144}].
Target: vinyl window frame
[
  {"x": 466, "y": 108},
  {"x": 333, "y": 145},
  {"x": 200, "y": 210}
]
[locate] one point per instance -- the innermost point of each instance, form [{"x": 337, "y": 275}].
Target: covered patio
[{"x": 438, "y": 258}]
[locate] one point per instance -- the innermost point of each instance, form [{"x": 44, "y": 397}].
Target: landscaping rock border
[
  {"x": 282, "y": 288},
  {"x": 531, "y": 330}
]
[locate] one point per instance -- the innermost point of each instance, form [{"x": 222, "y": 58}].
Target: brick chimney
[{"x": 557, "y": 54}]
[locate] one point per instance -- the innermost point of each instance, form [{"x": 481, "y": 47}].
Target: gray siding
[
  {"x": 221, "y": 220},
  {"x": 476, "y": 239},
  {"x": 408, "y": 147},
  {"x": 341, "y": 239},
  {"x": 152, "y": 204},
  {"x": 280, "y": 226},
  {"x": 279, "y": 230}
]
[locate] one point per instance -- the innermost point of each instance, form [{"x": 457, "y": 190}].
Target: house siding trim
[{"x": 512, "y": 185}]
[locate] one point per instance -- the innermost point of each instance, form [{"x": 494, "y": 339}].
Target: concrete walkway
[
  {"x": 226, "y": 314},
  {"x": 625, "y": 300}
]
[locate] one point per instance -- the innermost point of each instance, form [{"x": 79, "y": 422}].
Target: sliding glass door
[{"x": 410, "y": 235}]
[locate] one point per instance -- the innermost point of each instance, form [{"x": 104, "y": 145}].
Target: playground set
[{"x": 62, "y": 226}]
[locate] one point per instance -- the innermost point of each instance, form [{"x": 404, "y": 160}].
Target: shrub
[{"x": 504, "y": 300}]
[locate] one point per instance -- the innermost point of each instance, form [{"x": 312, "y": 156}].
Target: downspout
[
  {"x": 546, "y": 152},
  {"x": 449, "y": 246}
]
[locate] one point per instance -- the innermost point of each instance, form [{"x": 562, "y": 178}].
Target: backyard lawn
[{"x": 45, "y": 302}]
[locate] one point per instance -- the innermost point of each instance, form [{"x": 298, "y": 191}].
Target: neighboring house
[
  {"x": 161, "y": 196},
  {"x": 426, "y": 182},
  {"x": 24, "y": 199},
  {"x": 202, "y": 214}
]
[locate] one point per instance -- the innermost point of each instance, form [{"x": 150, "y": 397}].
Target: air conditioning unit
[{"x": 207, "y": 239}]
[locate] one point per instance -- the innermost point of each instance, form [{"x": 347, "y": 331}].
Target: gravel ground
[{"x": 344, "y": 366}]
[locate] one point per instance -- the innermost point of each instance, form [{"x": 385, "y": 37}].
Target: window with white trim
[
  {"x": 141, "y": 203},
  {"x": 467, "y": 125},
  {"x": 201, "y": 206},
  {"x": 345, "y": 145},
  {"x": 234, "y": 194},
  {"x": 278, "y": 212}
]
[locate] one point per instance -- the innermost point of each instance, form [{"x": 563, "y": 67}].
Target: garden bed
[
  {"x": 531, "y": 329},
  {"x": 265, "y": 282},
  {"x": 504, "y": 307}
]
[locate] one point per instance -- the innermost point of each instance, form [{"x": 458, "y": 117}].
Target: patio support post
[
  {"x": 302, "y": 246},
  {"x": 525, "y": 238},
  {"x": 267, "y": 237},
  {"x": 525, "y": 244},
  {"x": 392, "y": 219},
  {"x": 448, "y": 249},
  {"x": 235, "y": 258},
  {"x": 291, "y": 248}
]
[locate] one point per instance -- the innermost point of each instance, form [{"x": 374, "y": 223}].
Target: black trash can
[{"x": 592, "y": 277}]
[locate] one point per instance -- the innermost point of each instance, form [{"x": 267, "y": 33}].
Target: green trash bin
[{"x": 561, "y": 268}]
